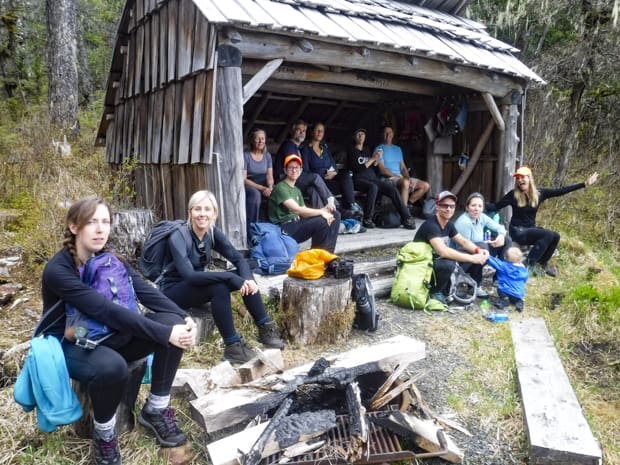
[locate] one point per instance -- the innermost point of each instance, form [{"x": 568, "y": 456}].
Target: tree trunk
[{"x": 62, "y": 62}]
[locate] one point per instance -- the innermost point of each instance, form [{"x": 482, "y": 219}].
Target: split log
[
  {"x": 196, "y": 382},
  {"x": 318, "y": 310},
  {"x": 268, "y": 362},
  {"x": 423, "y": 432},
  {"x": 295, "y": 429},
  {"x": 225, "y": 407},
  {"x": 358, "y": 425}
]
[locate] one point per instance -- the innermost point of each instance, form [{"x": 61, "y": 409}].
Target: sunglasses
[{"x": 449, "y": 206}]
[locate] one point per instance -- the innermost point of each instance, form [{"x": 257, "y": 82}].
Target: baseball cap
[
  {"x": 292, "y": 157},
  {"x": 359, "y": 130},
  {"x": 444, "y": 194},
  {"x": 523, "y": 171}
]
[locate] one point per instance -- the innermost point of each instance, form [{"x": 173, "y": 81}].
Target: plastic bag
[{"x": 310, "y": 264}]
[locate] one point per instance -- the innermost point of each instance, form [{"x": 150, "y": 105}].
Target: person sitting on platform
[
  {"x": 392, "y": 166},
  {"x": 287, "y": 209},
  {"x": 310, "y": 184},
  {"x": 366, "y": 179},
  {"x": 257, "y": 176},
  {"x": 318, "y": 159}
]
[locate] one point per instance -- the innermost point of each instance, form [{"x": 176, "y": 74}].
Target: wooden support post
[
  {"x": 125, "y": 420},
  {"x": 509, "y": 148},
  {"x": 473, "y": 161},
  {"x": 318, "y": 310},
  {"x": 228, "y": 143}
]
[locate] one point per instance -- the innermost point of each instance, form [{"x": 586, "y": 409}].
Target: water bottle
[
  {"x": 487, "y": 235},
  {"x": 146, "y": 379},
  {"x": 485, "y": 306},
  {"x": 496, "y": 317}
]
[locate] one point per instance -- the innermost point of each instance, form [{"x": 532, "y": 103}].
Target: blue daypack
[
  {"x": 152, "y": 261},
  {"x": 107, "y": 275},
  {"x": 272, "y": 250}
]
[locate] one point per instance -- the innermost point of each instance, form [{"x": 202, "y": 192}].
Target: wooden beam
[
  {"x": 294, "y": 116},
  {"x": 495, "y": 113},
  {"x": 255, "y": 114},
  {"x": 259, "y": 78},
  {"x": 475, "y": 156},
  {"x": 263, "y": 46},
  {"x": 368, "y": 80},
  {"x": 327, "y": 91},
  {"x": 557, "y": 430}
]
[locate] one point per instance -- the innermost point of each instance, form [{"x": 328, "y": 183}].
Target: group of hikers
[{"x": 188, "y": 281}]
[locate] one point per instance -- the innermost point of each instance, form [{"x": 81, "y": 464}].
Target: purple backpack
[{"x": 107, "y": 275}]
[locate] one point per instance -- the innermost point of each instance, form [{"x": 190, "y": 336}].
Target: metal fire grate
[{"x": 384, "y": 446}]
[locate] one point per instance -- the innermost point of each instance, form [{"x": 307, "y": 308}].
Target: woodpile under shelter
[{"x": 190, "y": 79}]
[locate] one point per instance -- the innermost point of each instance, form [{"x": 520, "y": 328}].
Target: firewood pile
[{"x": 354, "y": 407}]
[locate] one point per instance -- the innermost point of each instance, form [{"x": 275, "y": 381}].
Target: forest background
[{"x": 571, "y": 127}]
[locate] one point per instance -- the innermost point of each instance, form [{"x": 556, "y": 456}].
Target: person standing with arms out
[
  {"x": 525, "y": 201},
  {"x": 438, "y": 231},
  {"x": 257, "y": 175},
  {"x": 392, "y": 166},
  {"x": 189, "y": 282},
  {"x": 366, "y": 179},
  {"x": 165, "y": 331}
]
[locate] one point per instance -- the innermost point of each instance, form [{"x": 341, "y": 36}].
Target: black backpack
[
  {"x": 366, "y": 316},
  {"x": 152, "y": 261}
]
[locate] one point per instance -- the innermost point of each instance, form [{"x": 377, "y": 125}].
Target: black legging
[
  {"x": 104, "y": 370},
  {"x": 374, "y": 187},
  {"x": 544, "y": 241}
]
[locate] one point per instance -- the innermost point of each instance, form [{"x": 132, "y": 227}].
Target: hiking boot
[
  {"x": 356, "y": 208},
  {"x": 481, "y": 293},
  {"x": 519, "y": 305},
  {"x": 550, "y": 270},
  {"x": 164, "y": 424},
  {"x": 369, "y": 224},
  {"x": 106, "y": 452},
  {"x": 440, "y": 297},
  {"x": 502, "y": 303},
  {"x": 238, "y": 352},
  {"x": 409, "y": 223},
  {"x": 269, "y": 335}
]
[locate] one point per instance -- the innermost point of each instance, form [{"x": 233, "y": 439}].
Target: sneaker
[
  {"x": 164, "y": 424},
  {"x": 502, "y": 303},
  {"x": 268, "y": 335},
  {"x": 550, "y": 270},
  {"x": 369, "y": 224},
  {"x": 356, "y": 207},
  {"x": 238, "y": 352},
  {"x": 481, "y": 293},
  {"x": 409, "y": 223},
  {"x": 519, "y": 305},
  {"x": 440, "y": 297},
  {"x": 106, "y": 452}
]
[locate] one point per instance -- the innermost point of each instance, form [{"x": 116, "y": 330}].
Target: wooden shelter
[{"x": 190, "y": 78}]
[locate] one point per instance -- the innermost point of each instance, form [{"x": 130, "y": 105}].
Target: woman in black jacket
[
  {"x": 525, "y": 201},
  {"x": 189, "y": 282},
  {"x": 165, "y": 331}
]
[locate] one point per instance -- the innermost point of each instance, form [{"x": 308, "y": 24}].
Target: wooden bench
[{"x": 557, "y": 429}]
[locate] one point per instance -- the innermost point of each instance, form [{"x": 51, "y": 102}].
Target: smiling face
[
  {"x": 293, "y": 170},
  {"x": 522, "y": 182},
  {"x": 445, "y": 209},
  {"x": 318, "y": 133},
  {"x": 475, "y": 207},
  {"x": 258, "y": 141},
  {"x": 388, "y": 136},
  {"x": 299, "y": 133},
  {"x": 91, "y": 237},
  {"x": 202, "y": 215}
]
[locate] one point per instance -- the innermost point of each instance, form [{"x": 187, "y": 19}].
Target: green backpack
[{"x": 414, "y": 270}]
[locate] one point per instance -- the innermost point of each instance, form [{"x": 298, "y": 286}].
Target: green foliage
[{"x": 587, "y": 299}]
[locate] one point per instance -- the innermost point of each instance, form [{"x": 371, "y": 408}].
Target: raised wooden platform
[
  {"x": 381, "y": 270},
  {"x": 557, "y": 429}
]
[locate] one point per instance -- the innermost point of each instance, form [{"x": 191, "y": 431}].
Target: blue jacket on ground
[{"x": 44, "y": 383}]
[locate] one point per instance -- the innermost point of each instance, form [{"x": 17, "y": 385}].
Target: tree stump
[
  {"x": 125, "y": 420},
  {"x": 319, "y": 310},
  {"x": 204, "y": 321}
]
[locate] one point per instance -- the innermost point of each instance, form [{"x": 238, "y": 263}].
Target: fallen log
[
  {"x": 424, "y": 433},
  {"x": 358, "y": 425},
  {"x": 224, "y": 407}
]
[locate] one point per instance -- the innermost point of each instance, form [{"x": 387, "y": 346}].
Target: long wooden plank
[
  {"x": 222, "y": 408},
  {"x": 198, "y": 117},
  {"x": 154, "y": 53},
  {"x": 173, "y": 13},
  {"x": 557, "y": 429},
  {"x": 187, "y": 114},
  {"x": 186, "y": 38},
  {"x": 163, "y": 45}
]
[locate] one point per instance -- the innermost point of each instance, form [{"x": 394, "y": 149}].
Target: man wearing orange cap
[
  {"x": 287, "y": 209},
  {"x": 525, "y": 201}
]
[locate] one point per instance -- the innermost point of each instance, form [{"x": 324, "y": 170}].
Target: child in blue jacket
[{"x": 511, "y": 275}]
